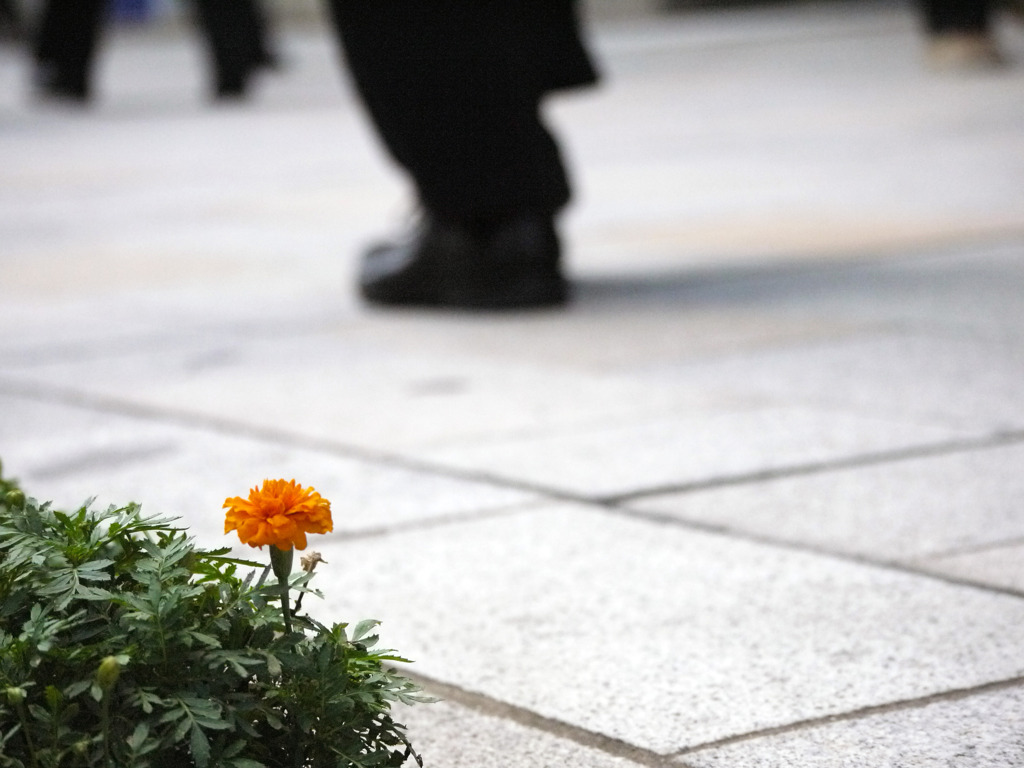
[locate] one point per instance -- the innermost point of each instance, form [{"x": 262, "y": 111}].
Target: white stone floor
[{"x": 755, "y": 499}]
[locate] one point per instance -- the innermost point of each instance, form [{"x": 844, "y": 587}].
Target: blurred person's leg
[
  {"x": 237, "y": 39},
  {"x": 454, "y": 90},
  {"x": 262, "y": 33},
  {"x": 959, "y": 34},
  {"x": 65, "y": 47}
]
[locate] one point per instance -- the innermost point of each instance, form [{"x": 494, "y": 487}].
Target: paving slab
[
  {"x": 67, "y": 455},
  {"x": 663, "y": 637},
  {"x": 451, "y": 736},
  {"x": 905, "y": 375},
  {"x": 911, "y": 510},
  {"x": 980, "y": 731}
]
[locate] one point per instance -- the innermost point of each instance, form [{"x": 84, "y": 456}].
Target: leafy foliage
[{"x": 123, "y": 644}]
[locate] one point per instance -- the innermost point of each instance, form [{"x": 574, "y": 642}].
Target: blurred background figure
[
  {"x": 959, "y": 34},
  {"x": 65, "y": 46},
  {"x": 68, "y": 33},
  {"x": 238, "y": 40}
]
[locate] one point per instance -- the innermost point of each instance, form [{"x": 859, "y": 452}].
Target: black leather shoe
[{"x": 514, "y": 265}]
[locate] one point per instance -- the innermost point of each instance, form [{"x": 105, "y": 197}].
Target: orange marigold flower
[{"x": 280, "y": 513}]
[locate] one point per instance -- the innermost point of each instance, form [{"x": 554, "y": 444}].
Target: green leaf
[
  {"x": 96, "y": 565},
  {"x": 363, "y": 628},
  {"x": 392, "y": 657},
  {"x": 174, "y": 714},
  {"x": 205, "y": 639},
  {"x": 199, "y": 746},
  {"x": 213, "y": 724},
  {"x": 138, "y": 737}
]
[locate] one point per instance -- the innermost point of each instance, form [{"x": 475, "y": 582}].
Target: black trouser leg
[
  {"x": 473, "y": 153},
  {"x": 234, "y": 34},
  {"x": 942, "y": 16},
  {"x": 65, "y": 45},
  {"x": 464, "y": 123}
]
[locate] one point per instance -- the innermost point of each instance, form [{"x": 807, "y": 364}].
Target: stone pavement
[{"x": 755, "y": 499}]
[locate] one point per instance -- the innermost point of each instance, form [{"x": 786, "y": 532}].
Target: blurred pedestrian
[
  {"x": 454, "y": 90},
  {"x": 959, "y": 34},
  {"x": 65, "y": 47},
  {"x": 237, "y": 36},
  {"x": 68, "y": 35}
]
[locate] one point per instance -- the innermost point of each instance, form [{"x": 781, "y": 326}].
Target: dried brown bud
[{"x": 309, "y": 562}]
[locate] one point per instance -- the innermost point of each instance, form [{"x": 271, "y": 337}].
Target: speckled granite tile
[
  {"x": 660, "y": 636},
  {"x": 980, "y": 731},
  {"x": 900, "y": 511}
]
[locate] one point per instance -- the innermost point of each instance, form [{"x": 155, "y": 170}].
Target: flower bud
[
  {"x": 15, "y": 695},
  {"x": 108, "y": 672},
  {"x": 15, "y": 499}
]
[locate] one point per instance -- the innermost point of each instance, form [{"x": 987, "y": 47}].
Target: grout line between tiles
[
  {"x": 973, "y": 549},
  {"x": 928, "y": 450},
  {"x": 797, "y": 546},
  {"x": 486, "y": 705},
  {"x": 857, "y": 714}
]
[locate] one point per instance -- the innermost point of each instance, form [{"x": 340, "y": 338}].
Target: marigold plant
[{"x": 123, "y": 645}]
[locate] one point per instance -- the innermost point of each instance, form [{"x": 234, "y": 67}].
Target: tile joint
[
  {"x": 994, "y": 440},
  {"x": 858, "y": 714},
  {"x": 486, "y": 705}
]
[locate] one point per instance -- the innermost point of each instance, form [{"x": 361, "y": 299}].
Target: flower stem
[
  {"x": 105, "y": 725},
  {"x": 281, "y": 562},
  {"x": 20, "y": 709}
]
